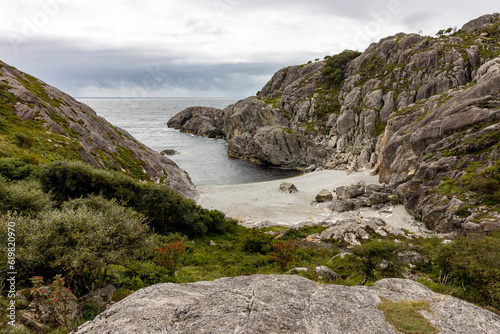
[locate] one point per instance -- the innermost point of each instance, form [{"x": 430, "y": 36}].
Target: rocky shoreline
[
  {"x": 419, "y": 111},
  {"x": 264, "y": 204}
]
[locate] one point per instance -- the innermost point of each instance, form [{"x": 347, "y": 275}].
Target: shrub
[
  {"x": 23, "y": 141},
  {"x": 57, "y": 298},
  {"x": 335, "y": 65},
  {"x": 472, "y": 263},
  {"x": 283, "y": 253},
  {"x": 79, "y": 242},
  {"x": 377, "y": 259},
  {"x": 257, "y": 242},
  {"x": 170, "y": 255},
  {"x": 89, "y": 311},
  {"x": 166, "y": 210},
  {"x": 15, "y": 168},
  {"x": 25, "y": 197}
]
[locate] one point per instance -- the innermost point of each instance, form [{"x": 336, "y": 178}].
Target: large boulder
[
  {"x": 281, "y": 304},
  {"x": 324, "y": 196},
  {"x": 202, "y": 121}
]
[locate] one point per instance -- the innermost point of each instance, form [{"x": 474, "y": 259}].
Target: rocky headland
[
  {"x": 56, "y": 126},
  {"x": 422, "y": 112}
]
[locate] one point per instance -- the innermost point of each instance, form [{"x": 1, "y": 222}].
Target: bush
[
  {"x": 15, "y": 168},
  {"x": 78, "y": 241},
  {"x": 170, "y": 255},
  {"x": 472, "y": 263},
  {"x": 166, "y": 210},
  {"x": 377, "y": 259},
  {"x": 283, "y": 253},
  {"x": 335, "y": 65},
  {"x": 25, "y": 197},
  {"x": 89, "y": 311},
  {"x": 257, "y": 242}
]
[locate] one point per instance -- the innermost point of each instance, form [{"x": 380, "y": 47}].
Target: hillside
[
  {"x": 423, "y": 112},
  {"x": 42, "y": 124}
]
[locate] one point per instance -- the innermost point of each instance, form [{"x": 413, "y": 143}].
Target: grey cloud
[{"x": 71, "y": 69}]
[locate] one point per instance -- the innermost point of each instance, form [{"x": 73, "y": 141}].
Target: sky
[{"x": 195, "y": 48}]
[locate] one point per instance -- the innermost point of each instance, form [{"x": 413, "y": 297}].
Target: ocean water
[{"x": 204, "y": 159}]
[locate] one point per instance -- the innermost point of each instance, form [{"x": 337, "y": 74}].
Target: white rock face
[{"x": 280, "y": 304}]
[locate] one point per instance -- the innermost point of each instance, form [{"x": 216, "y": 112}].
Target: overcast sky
[{"x": 209, "y": 48}]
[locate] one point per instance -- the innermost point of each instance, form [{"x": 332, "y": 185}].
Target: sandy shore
[{"x": 259, "y": 202}]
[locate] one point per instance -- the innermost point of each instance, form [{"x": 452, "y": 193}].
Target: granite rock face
[
  {"x": 280, "y": 304},
  {"x": 100, "y": 142},
  {"x": 202, "y": 121},
  {"x": 416, "y": 109}
]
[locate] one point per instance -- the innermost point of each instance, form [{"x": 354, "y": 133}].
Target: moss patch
[{"x": 404, "y": 315}]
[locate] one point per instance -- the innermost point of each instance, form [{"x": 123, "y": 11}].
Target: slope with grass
[{"x": 41, "y": 124}]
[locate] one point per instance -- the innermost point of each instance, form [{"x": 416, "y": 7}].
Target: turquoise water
[{"x": 203, "y": 158}]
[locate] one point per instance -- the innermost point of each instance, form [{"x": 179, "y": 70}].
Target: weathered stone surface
[
  {"x": 411, "y": 257},
  {"x": 288, "y": 187},
  {"x": 342, "y": 205},
  {"x": 326, "y": 273},
  {"x": 101, "y": 297},
  {"x": 280, "y": 304},
  {"x": 324, "y": 196},
  {"x": 377, "y": 198},
  {"x": 98, "y": 138},
  {"x": 472, "y": 228},
  {"x": 354, "y": 190},
  {"x": 202, "y": 121}
]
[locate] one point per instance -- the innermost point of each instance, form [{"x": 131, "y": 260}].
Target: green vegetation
[
  {"x": 479, "y": 182},
  {"x": 96, "y": 227},
  {"x": 333, "y": 71},
  {"x": 405, "y": 317}
]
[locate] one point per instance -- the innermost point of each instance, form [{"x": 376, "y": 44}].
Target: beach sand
[{"x": 253, "y": 203}]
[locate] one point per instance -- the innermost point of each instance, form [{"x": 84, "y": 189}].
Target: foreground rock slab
[{"x": 280, "y": 304}]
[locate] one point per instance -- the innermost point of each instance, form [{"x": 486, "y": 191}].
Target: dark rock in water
[
  {"x": 288, "y": 187},
  {"x": 170, "y": 152},
  {"x": 324, "y": 196},
  {"x": 281, "y": 304},
  {"x": 202, "y": 121}
]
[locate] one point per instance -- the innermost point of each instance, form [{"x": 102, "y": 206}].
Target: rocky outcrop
[
  {"x": 358, "y": 195},
  {"x": 202, "y": 121},
  {"x": 416, "y": 109},
  {"x": 281, "y": 304},
  {"x": 96, "y": 141}
]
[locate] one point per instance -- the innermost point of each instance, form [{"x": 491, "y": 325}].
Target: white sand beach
[{"x": 254, "y": 203}]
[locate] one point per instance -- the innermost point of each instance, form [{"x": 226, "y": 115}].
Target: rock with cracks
[{"x": 280, "y": 304}]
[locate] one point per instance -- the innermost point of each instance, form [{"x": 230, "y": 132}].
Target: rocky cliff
[
  {"x": 423, "y": 112},
  {"x": 282, "y": 304},
  {"x": 41, "y": 123}
]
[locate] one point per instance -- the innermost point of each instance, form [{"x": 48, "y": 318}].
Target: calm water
[{"x": 203, "y": 158}]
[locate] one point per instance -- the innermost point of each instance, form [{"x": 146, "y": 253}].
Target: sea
[{"x": 205, "y": 159}]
